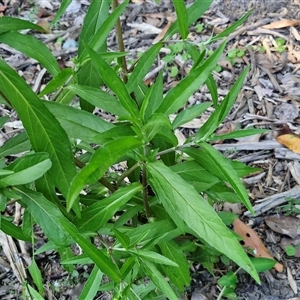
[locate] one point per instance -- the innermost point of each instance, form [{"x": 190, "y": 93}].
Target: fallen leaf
[
  {"x": 289, "y": 139},
  {"x": 252, "y": 241},
  {"x": 287, "y": 225},
  {"x": 282, "y": 24}
]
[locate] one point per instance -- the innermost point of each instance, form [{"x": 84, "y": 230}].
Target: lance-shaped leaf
[
  {"x": 182, "y": 201},
  {"x": 222, "y": 111},
  {"x": 179, "y": 276},
  {"x": 179, "y": 94},
  {"x": 213, "y": 161},
  {"x": 79, "y": 123},
  {"x": 143, "y": 66},
  {"x": 114, "y": 82},
  {"x": 182, "y": 17},
  {"x": 96, "y": 215},
  {"x": 97, "y": 256},
  {"x": 101, "y": 160},
  {"x": 14, "y": 231},
  {"x": 158, "y": 279},
  {"x": 194, "y": 12},
  {"x": 46, "y": 214},
  {"x": 17, "y": 144},
  {"x": 99, "y": 98},
  {"x": 26, "y": 169},
  {"x": 11, "y": 24},
  {"x": 44, "y": 131},
  {"x": 33, "y": 48}
]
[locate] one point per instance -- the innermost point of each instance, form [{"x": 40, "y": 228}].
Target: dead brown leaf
[
  {"x": 282, "y": 24},
  {"x": 252, "y": 241}
]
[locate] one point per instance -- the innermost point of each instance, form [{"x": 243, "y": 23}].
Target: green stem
[
  {"x": 126, "y": 173},
  {"x": 120, "y": 42},
  {"x": 145, "y": 184}
]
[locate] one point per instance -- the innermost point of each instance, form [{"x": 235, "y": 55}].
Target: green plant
[
  {"x": 234, "y": 53},
  {"x": 280, "y": 45},
  {"x": 290, "y": 208},
  {"x": 156, "y": 212}
]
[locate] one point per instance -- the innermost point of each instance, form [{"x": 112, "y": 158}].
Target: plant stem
[
  {"x": 120, "y": 42},
  {"x": 144, "y": 183},
  {"x": 102, "y": 180},
  {"x": 126, "y": 173},
  {"x": 175, "y": 148},
  {"x": 145, "y": 192}
]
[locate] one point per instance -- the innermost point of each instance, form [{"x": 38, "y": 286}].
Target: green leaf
[
  {"x": 238, "y": 134},
  {"x": 32, "y": 293},
  {"x": 91, "y": 286},
  {"x": 213, "y": 89},
  {"x": 242, "y": 169},
  {"x": 3, "y": 120},
  {"x": 17, "y": 144},
  {"x": 62, "y": 8},
  {"x": 156, "y": 123},
  {"x": 44, "y": 131},
  {"x": 189, "y": 114},
  {"x": 222, "y": 192},
  {"x": 222, "y": 111},
  {"x": 101, "y": 160},
  {"x": 193, "y": 172},
  {"x": 227, "y": 280},
  {"x": 99, "y": 99},
  {"x": 97, "y": 256},
  {"x": 96, "y": 15},
  {"x": 13, "y": 24},
  {"x": 114, "y": 82},
  {"x": 194, "y": 52},
  {"x": 179, "y": 94},
  {"x": 153, "y": 256},
  {"x": 99, "y": 38},
  {"x": 182, "y": 18},
  {"x": 227, "y": 217},
  {"x": 156, "y": 97},
  {"x": 141, "y": 69},
  {"x": 122, "y": 238},
  {"x": 150, "y": 234},
  {"x": 262, "y": 264},
  {"x": 36, "y": 275},
  {"x": 46, "y": 214},
  {"x": 98, "y": 214},
  {"x": 158, "y": 279},
  {"x": 213, "y": 161},
  {"x": 179, "y": 276},
  {"x": 33, "y": 48},
  {"x": 57, "y": 81},
  {"x": 79, "y": 123},
  {"x": 183, "y": 202},
  {"x": 231, "y": 28},
  {"x": 13, "y": 230},
  {"x": 194, "y": 12},
  {"x": 26, "y": 169}
]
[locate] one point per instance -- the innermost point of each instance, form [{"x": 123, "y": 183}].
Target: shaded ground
[{"x": 269, "y": 99}]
